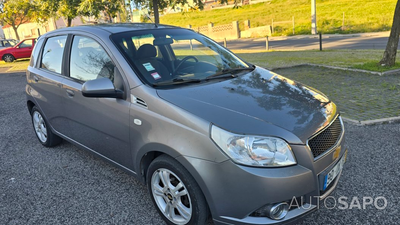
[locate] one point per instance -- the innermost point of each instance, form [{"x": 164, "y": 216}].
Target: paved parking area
[{"x": 66, "y": 185}]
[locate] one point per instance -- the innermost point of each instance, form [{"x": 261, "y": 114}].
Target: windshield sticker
[
  {"x": 148, "y": 66},
  {"x": 156, "y": 76}
]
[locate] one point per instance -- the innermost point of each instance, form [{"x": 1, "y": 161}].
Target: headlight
[{"x": 253, "y": 150}]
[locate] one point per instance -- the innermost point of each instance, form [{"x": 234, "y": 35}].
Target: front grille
[{"x": 326, "y": 139}]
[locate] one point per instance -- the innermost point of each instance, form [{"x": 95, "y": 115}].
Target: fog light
[
  {"x": 274, "y": 211},
  {"x": 278, "y": 211}
]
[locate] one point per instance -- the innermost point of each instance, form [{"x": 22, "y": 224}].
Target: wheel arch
[
  {"x": 30, "y": 105},
  {"x": 146, "y": 158}
]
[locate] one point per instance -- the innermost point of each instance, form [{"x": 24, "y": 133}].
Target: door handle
[
  {"x": 70, "y": 93},
  {"x": 36, "y": 78}
]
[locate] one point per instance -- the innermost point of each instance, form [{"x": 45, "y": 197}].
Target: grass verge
[
  {"x": 359, "y": 96},
  {"x": 17, "y": 65},
  {"x": 359, "y": 16},
  {"x": 358, "y": 59},
  {"x": 374, "y": 66}
]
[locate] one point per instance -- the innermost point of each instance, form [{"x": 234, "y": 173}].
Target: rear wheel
[
  {"x": 42, "y": 130},
  {"x": 8, "y": 58},
  {"x": 175, "y": 193}
]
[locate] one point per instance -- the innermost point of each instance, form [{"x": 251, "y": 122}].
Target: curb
[
  {"x": 389, "y": 72},
  {"x": 372, "y": 122}
]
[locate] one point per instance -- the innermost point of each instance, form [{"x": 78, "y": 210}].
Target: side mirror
[{"x": 100, "y": 88}]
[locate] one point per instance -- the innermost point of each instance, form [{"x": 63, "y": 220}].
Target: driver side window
[
  {"x": 26, "y": 44},
  {"x": 89, "y": 61}
]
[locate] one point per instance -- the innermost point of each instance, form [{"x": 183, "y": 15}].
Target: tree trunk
[
  {"x": 389, "y": 57},
  {"x": 131, "y": 11},
  {"x": 156, "y": 15},
  {"x": 16, "y": 32},
  {"x": 69, "y": 22}
]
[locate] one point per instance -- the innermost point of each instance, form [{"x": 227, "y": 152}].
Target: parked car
[
  {"x": 7, "y": 43},
  {"x": 19, "y": 51},
  {"x": 206, "y": 131}
]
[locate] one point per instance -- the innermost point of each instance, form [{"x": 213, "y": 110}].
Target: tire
[
  {"x": 42, "y": 130},
  {"x": 8, "y": 58},
  {"x": 187, "y": 203}
]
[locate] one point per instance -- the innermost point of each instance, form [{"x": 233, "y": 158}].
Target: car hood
[{"x": 260, "y": 103}]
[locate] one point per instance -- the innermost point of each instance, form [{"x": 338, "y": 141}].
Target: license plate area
[{"x": 331, "y": 175}]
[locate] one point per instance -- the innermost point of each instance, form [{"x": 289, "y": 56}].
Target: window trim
[
  {"x": 67, "y": 60},
  {"x": 67, "y": 54},
  {"x": 39, "y": 61}
]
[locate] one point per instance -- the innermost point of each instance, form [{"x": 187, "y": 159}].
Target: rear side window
[
  {"x": 89, "y": 61},
  {"x": 35, "y": 52},
  {"x": 53, "y": 53}
]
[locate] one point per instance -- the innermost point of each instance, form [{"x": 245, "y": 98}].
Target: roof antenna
[{"x": 148, "y": 17}]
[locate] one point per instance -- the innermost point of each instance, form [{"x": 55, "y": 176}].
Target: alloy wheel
[
  {"x": 8, "y": 58},
  {"x": 171, "y": 196},
  {"x": 40, "y": 126}
]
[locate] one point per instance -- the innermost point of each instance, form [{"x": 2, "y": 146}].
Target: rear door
[
  {"x": 45, "y": 79},
  {"x": 100, "y": 124}
]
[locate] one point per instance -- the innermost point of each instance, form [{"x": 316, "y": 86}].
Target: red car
[{"x": 19, "y": 51}]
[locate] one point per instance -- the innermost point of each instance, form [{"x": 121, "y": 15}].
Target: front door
[
  {"x": 24, "y": 49},
  {"x": 100, "y": 124}
]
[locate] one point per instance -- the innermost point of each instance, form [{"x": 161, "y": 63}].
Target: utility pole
[{"x": 313, "y": 17}]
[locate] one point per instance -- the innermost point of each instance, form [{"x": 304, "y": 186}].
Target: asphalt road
[
  {"x": 310, "y": 43},
  {"x": 66, "y": 185}
]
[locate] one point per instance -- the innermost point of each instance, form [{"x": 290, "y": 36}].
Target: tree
[
  {"x": 389, "y": 57},
  {"x": 157, "y": 5},
  {"x": 69, "y": 9},
  {"x": 95, "y": 7},
  {"x": 15, "y": 13},
  {"x": 43, "y": 10}
]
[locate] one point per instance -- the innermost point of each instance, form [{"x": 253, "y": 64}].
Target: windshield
[{"x": 174, "y": 56}]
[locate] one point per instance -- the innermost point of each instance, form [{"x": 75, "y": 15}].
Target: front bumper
[{"x": 234, "y": 192}]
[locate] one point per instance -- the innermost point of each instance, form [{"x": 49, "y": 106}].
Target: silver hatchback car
[{"x": 207, "y": 132}]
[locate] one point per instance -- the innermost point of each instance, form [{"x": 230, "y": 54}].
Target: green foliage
[
  {"x": 95, "y": 7},
  {"x": 360, "y": 16},
  {"x": 69, "y": 9},
  {"x": 44, "y": 10},
  {"x": 15, "y": 13}
]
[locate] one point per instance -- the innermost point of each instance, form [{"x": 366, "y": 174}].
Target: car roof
[{"x": 118, "y": 27}]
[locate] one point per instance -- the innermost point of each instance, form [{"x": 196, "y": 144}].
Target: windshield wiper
[
  {"x": 227, "y": 73},
  {"x": 176, "y": 81}
]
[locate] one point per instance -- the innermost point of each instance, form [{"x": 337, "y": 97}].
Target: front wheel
[
  {"x": 8, "y": 58},
  {"x": 175, "y": 193}
]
